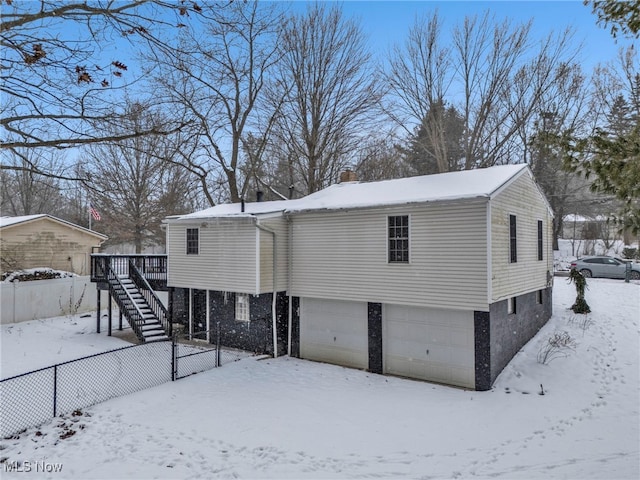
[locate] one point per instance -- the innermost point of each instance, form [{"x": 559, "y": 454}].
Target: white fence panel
[{"x": 25, "y": 301}]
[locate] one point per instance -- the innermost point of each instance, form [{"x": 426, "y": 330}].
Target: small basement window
[
  {"x": 511, "y": 305},
  {"x": 399, "y": 239},
  {"x": 539, "y": 297},
  {"x": 242, "y": 307},
  {"x": 193, "y": 241}
]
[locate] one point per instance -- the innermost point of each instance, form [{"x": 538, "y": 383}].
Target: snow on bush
[{"x": 38, "y": 273}]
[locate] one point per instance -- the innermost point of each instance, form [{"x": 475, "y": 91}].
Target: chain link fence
[
  {"x": 32, "y": 398},
  {"x": 197, "y": 352}
]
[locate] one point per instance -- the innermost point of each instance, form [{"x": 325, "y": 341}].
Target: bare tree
[
  {"x": 419, "y": 76},
  {"x": 25, "y": 193},
  {"x": 379, "y": 159},
  {"x": 135, "y": 183},
  {"x": 330, "y": 95},
  {"x": 563, "y": 110},
  {"x": 503, "y": 80},
  {"x": 216, "y": 81},
  {"x": 490, "y": 73},
  {"x": 609, "y": 156},
  {"x": 56, "y": 82}
]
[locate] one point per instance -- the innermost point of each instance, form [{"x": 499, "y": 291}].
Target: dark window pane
[
  {"x": 540, "y": 241},
  {"x": 513, "y": 245},
  {"x": 398, "y": 238},
  {"x": 192, "y": 241}
]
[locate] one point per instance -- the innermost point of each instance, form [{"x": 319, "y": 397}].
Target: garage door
[
  {"x": 429, "y": 344},
  {"x": 334, "y": 331}
]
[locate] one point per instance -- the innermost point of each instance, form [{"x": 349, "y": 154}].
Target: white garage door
[
  {"x": 334, "y": 331},
  {"x": 429, "y": 344}
]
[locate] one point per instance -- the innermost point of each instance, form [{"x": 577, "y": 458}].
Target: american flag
[{"x": 94, "y": 213}]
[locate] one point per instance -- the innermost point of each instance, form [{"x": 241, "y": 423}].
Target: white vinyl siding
[
  {"x": 280, "y": 227},
  {"x": 343, "y": 255},
  {"x": 522, "y": 199},
  {"x": 226, "y": 260}
]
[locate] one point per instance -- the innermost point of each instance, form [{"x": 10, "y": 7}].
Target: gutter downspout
[
  {"x": 275, "y": 290},
  {"x": 289, "y": 267}
]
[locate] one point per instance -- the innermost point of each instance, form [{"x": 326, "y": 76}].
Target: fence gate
[{"x": 192, "y": 353}]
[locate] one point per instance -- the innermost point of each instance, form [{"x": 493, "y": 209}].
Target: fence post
[
  {"x": 98, "y": 308},
  {"x": 55, "y": 391},
  {"x": 217, "y": 344},
  {"x": 173, "y": 357}
]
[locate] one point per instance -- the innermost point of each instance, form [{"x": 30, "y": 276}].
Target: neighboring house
[
  {"x": 45, "y": 241},
  {"x": 440, "y": 278}
]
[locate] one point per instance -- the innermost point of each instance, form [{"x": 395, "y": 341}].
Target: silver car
[{"x": 607, "y": 267}]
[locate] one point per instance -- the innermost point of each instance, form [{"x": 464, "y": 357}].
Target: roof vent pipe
[
  {"x": 259, "y": 195},
  {"x": 242, "y": 205}
]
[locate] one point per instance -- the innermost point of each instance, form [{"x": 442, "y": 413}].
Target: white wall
[
  {"x": 522, "y": 199},
  {"x": 226, "y": 260},
  {"x": 24, "y": 301},
  {"x": 342, "y": 255}
]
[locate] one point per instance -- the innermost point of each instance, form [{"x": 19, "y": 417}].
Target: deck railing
[{"x": 152, "y": 267}]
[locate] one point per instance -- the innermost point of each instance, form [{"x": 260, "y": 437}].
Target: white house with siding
[{"x": 441, "y": 277}]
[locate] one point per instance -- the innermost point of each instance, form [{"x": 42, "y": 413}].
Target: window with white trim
[
  {"x": 513, "y": 240},
  {"x": 398, "y": 235},
  {"x": 242, "y": 307},
  {"x": 540, "y": 241},
  {"x": 193, "y": 241}
]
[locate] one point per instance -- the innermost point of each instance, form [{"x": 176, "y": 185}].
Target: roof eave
[{"x": 390, "y": 205}]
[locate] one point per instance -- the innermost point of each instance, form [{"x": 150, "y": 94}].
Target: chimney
[
  {"x": 348, "y": 176},
  {"x": 259, "y": 195}
]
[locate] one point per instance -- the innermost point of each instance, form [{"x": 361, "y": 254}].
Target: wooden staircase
[
  {"x": 139, "y": 304},
  {"x": 148, "y": 324}
]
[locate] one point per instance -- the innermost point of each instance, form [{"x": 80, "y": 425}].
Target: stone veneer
[{"x": 499, "y": 335}]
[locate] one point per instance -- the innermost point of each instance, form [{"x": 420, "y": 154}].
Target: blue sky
[{"x": 388, "y": 22}]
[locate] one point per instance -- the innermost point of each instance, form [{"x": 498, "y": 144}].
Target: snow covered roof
[
  {"x": 7, "y": 221},
  {"x": 10, "y": 221},
  {"x": 483, "y": 182},
  {"x": 466, "y": 184},
  {"x": 580, "y": 218},
  {"x": 235, "y": 210}
]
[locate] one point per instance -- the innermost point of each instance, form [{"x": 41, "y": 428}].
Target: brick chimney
[{"x": 348, "y": 176}]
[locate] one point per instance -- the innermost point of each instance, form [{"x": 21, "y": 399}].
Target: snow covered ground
[
  {"x": 290, "y": 418},
  {"x": 27, "y": 346}
]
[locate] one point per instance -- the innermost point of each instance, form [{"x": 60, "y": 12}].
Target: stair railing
[
  {"x": 150, "y": 296},
  {"x": 125, "y": 303}
]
